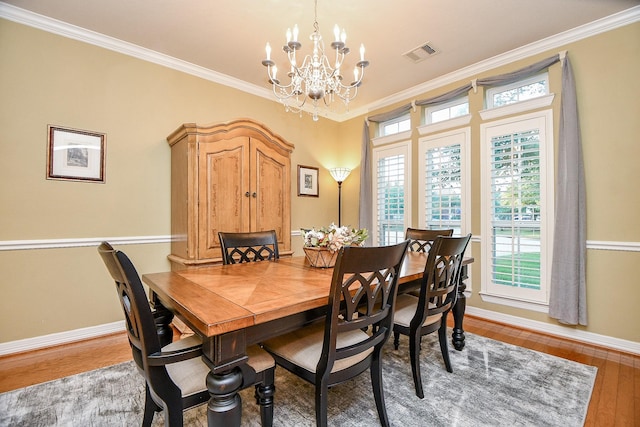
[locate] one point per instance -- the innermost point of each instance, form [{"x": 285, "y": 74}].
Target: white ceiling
[{"x": 229, "y": 36}]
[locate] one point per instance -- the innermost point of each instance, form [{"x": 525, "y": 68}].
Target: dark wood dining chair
[
  {"x": 248, "y": 247},
  {"x": 427, "y": 313},
  {"x": 335, "y": 350},
  {"x": 420, "y": 240},
  {"x": 175, "y": 374}
]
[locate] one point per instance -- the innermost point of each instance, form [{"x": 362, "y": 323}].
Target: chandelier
[{"x": 317, "y": 79}]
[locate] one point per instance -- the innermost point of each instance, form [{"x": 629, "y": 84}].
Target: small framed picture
[
  {"x": 75, "y": 155},
  {"x": 308, "y": 181}
]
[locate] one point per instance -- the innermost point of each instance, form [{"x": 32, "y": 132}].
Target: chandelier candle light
[{"x": 317, "y": 78}]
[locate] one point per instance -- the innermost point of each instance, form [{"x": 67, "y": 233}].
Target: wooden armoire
[{"x": 232, "y": 177}]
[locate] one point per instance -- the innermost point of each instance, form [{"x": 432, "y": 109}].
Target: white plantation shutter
[
  {"x": 443, "y": 188},
  {"x": 517, "y": 202},
  {"x": 391, "y": 193},
  {"x": 443, "y": 192},
  {"x": 515, "y": 213}
]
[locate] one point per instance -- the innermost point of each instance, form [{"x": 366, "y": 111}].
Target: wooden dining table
[{"x": 234, "y": 306}]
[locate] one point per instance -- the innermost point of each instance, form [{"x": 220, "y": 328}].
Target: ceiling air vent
[{"x": 421, "y": 52}]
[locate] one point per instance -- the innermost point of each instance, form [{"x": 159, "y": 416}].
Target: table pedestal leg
[
  {"x": 458, "y": 312},
  {"x": 225, "y": 406}
]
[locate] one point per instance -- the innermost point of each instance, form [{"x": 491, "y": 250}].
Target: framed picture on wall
[
  {"x": 308, "y": 181},
  {"x": 75, "y": 155}
]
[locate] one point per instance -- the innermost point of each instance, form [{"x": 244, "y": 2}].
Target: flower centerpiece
[{"x": 321, "y": 245}]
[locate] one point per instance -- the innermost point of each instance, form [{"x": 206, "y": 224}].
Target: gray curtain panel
[
  {"x": 568, "y": 299},
  {"x": 453, "y": 94},
  {"x": 514, "y": 76},
  {"x": 389, "y": 115},
  {"x": 366, "y": 209}
]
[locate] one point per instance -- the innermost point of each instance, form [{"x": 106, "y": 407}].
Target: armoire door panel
[
  {"x": 271, "y": 174},
  {"x": 223, "y": 185}
]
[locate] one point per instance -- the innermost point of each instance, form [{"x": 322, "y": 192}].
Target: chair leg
[
  {"x": 322, "y": 391},
  {"x": 264, "y": 397},
  {"x": 396, "y": 340},
  {"x": 414, "y": 352},
  {"x": 378, "y": 391},
  {"x": 444, "y": 348},
  {"x": 150, "y": 407},
  {"x": 173, "y": 416}
]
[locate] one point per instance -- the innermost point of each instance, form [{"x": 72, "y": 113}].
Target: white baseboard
[
  {"x": 43, "y": 341},
  {"x": 558, "y": 330}
]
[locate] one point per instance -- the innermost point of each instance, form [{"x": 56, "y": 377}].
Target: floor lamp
[{"x": 340, "y": 174}]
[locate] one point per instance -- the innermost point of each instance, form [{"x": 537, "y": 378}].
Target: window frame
[
  {"x": 460, "y": 137},
  {"x": 492, "y": 91},
  {"x": 402, "y": 147},
  {"x": 427, "y": 113},
  {"x": 398, "y": 120},
  {"x": 490, "y": 292}
]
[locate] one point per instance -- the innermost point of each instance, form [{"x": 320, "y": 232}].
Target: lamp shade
[{"x": 340, "y": 174}]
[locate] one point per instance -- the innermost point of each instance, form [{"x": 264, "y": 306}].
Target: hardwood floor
[{"x": 615, "y": 400}]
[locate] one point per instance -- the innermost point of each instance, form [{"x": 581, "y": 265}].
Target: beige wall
[{"x": 47, "y": 79}]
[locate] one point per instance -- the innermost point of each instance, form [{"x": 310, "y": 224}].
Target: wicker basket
[{"x": 320, "y": 257}]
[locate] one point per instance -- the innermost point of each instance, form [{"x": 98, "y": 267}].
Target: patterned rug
[{"x": 493, "y": 384}]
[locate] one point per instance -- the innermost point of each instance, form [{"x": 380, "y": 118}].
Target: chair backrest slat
[
  {"x": 420, "y": 240},
  {"x": 248, "y": 247}
]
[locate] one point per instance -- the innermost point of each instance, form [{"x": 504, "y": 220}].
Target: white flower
[{"x": 333, "y": 237}]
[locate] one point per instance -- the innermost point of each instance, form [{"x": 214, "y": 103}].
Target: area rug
[{"x": 493, "y": 384}]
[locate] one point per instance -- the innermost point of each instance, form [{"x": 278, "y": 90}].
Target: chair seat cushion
[
  {"x": 259, "y": 359},
  {"x": 406, "y": 306},
  {"x": 303, "y": 347},
  {"x": 190, "y": 375}
]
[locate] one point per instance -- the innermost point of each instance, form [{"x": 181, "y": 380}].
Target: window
[
  {"x": 394, "y": 126},
  {"x": 444, "y": 186},
  {"x": 456, "y": 108},
  {"x": 391, "y": 193},
  {"x": 517, "y": 206},
  {"x": 521, "y": 90}
]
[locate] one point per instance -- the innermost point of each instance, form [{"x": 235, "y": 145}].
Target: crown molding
[{"x": 64, "y": 29}]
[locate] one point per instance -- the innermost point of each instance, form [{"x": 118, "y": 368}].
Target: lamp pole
[
  {"x": 340, "y": 174},
  {"x": 339, "y": 203}
]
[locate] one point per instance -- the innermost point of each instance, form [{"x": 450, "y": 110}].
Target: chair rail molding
[{"x": 18, "y": 245}]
